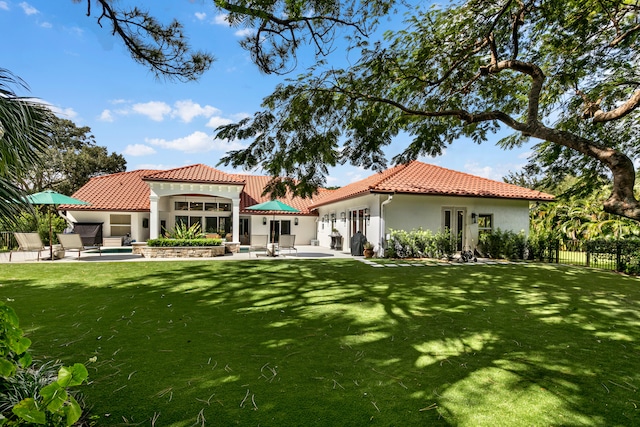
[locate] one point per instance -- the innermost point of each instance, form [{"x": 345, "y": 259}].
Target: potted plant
[{"x": 368, "y": 250}]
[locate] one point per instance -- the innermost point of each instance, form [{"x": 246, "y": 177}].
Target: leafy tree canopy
[
  {"x": 563, "y": 73},
  {"x": 70, "y": 160},
  {"x": 24, "y": 133}
]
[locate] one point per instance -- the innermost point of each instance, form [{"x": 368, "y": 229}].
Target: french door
[{"x": 453, "y": 219}]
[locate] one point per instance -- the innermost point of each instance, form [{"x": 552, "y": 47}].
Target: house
[
  {"x": 144, "y": 203},
  {"x": 420, "y": 195}
]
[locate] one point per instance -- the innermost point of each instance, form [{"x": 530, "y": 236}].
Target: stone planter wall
[{"x": 182, "y": 252}]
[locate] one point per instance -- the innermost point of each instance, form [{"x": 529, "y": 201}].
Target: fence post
[
  {"x": 618, "y": 256},
  {"x": 557, "y": 251}
]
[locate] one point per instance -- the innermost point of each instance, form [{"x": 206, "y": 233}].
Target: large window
[
  {"x": 213, "y": 217},
  {"x": 120, "y": 224},
  {"x": 485, "y": 224}
]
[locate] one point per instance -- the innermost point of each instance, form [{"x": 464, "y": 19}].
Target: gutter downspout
[{"x": 383, "y": 224}]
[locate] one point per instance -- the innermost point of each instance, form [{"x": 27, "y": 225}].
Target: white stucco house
[{"x": 143, "y": 203}]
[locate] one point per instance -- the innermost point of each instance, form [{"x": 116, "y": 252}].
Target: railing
[
  {"x": 617, "y": 255},
  {"x": 7, "y": 241}
]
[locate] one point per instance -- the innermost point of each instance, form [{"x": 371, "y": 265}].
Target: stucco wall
[
  {"x": 407, "y": 212},
  {"x": 139, "y": 233},
  {"x": 304, "y": 231}
]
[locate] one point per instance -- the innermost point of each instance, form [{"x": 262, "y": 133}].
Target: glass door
[{"x": 453, "y": 219}]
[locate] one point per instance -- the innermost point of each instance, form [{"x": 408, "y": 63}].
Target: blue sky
[{"x": 86, "y": 76}]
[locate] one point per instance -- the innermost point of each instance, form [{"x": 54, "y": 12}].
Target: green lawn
[{"x": 338, "y": 343}]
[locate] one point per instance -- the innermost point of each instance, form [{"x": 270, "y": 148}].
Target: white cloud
[
  {"x": 483, "y": 171},
  {"x": 106, "y": 116},
  {"x": 4, "y": 5},
  {"x": 46, "y": 25},
  {"x": 139, "y": 150},
  {"x": 197, "y": 142},
  {"x": 245, "y": 32},
  {"x": 332, "y": 181},
  {"x": 201, "y": 16},
  {"x": 28, "y": 9},
  {"x": 187, "y": 110},
  {"x": 214, "y": 122},
  {"x": 67, "y": 113},
  {"x": 525, "y": 154},
  {"x": 158, "y": 166},
  {"x": 222, "y": 19},
  {"x": 154, "y": 110},
  {"x": 492, "y": 172}
]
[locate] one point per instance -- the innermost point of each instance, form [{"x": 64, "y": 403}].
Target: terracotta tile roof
[
  {"x": 128, "y": 191},
  {"x": 195, "y": 173},
  {"x": 252, "y": 195},
  {"x": 421, "y": 178},
  {"x": 124, "y": 191}
]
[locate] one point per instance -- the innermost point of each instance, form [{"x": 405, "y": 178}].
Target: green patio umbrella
[
  {"x": 51, "y": 198},
  {"x": 273, "y": 206}
]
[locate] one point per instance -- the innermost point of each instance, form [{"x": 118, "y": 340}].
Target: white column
[
  {"x": 154, "y": 217},
  {"x": 235, "y": 230}
]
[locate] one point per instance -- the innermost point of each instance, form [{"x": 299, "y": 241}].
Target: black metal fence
[
  {"x": 617, "y": 255},
  {"x": 7, "y": 241}
]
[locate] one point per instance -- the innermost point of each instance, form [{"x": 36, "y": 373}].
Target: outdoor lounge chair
[
  {"x": 259, "y": 243},
  {"x": 288, "y": 242},
  {"x": 28, "y": 242},
  {"x": 73, "y": 242}
]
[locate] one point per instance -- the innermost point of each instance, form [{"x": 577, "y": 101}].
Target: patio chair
[
  {"x": 28, "y": 242},
  {"x": 73, "y": 242},
  {"x": 258, "y": 243},
  {"x": 288, "y": 242}
]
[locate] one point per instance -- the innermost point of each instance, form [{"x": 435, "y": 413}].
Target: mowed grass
[{"x": 338, "y": 343}]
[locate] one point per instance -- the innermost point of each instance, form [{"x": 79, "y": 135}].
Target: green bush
[
  {"x": 181, "y": 231},
  {"x": 419, "y": 243},
  {"x": 39, "y": 223},
  {"x": 504, "y": 244},
  {"x": 173, "y": 243},
  {"x": 29, "y": 395}
]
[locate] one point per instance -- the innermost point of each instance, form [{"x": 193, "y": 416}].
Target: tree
[
  {"x": 70, "y": 160},
  {"x": 561, "y": 72},
  {"x": 163, "y": 48},
  {"x": 24, "y": 135}
]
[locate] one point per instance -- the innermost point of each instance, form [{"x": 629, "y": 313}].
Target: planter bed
[{"x": 182, "y": 251}]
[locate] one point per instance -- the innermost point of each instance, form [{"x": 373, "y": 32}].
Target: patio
[{"x": 304, "y": 252}]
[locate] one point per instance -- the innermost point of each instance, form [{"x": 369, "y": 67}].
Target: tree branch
[{"x": 600, "y": 116}]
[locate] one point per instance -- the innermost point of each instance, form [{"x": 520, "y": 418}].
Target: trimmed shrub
[
  {"x": 174, "y": 243},
  {"x": 419, "y": 243}
]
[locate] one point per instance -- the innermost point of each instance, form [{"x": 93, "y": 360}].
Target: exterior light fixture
[
  {"x": 474, "y": 218},
  {"x": 264, "y": 220},
  {"x": 343, "y": 216},
  {"x": 333, "y": 216},
  {"x": 295, "y": 221}
]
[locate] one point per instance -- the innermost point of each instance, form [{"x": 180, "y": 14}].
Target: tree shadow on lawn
[{"x": 341, "y": 343}]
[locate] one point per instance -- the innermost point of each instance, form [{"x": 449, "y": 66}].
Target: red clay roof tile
[
  {"x": 195, "y": 173},
  {"x": 421, "y": 178},
  {"x": 128, "y": 191},
  {"x": 124, "y": 191}
]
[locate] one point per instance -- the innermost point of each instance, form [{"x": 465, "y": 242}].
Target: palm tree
[{"x": 25, "y": 126}]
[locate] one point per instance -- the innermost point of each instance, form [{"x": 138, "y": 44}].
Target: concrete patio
[{"x": 304, "y": 252}]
